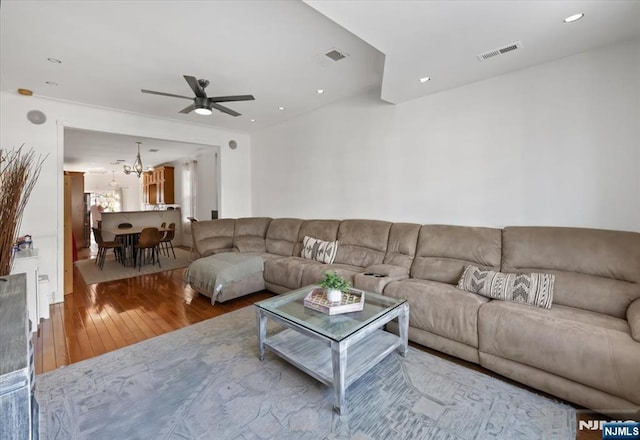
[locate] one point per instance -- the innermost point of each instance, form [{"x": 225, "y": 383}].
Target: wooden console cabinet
[{"x": 158, "y": 186}]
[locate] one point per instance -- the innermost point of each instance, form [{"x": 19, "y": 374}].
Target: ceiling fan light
[{"x": 203, "y": 111}]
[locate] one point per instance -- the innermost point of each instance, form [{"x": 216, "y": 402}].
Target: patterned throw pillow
[
  {"x": 535, "y": 289},
  {"x": 323, "y": 251}
]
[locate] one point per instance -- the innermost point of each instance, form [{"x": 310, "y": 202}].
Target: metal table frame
[{"x": 292, "y": 345}]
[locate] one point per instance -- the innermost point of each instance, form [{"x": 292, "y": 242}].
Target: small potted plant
[{"x": 334, "y": 285}]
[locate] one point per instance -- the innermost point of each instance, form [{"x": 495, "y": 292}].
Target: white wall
[
  {"x": 207, "y": 181},
  {"x": 556, "y": 144},
  {"x": 207, "y": 185},
  {"x": 43, "y": 215}
]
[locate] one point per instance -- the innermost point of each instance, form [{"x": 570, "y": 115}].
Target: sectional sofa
[{"x": 584, "y": 349}]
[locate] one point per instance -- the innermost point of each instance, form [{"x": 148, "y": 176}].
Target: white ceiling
[
  {"x": 440, "y": 39},
  {"x": 110, "y": 50},
  {"x": 275, "y": 50},
  {"x": 98, "y": 152}
]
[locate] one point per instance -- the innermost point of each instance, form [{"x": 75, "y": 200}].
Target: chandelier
[
  {"x": 113, "y": 183},
  {"x": 137, "y": 165}
]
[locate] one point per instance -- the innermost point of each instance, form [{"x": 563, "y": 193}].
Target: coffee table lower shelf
[{"x": 316, "y": 359}]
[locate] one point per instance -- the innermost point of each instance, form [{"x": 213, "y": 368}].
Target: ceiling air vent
[
  {"x": 335, "y": 55},
  {"x": 499, "y": 51}
]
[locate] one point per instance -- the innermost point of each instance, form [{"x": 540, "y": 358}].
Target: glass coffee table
[{"x": 334, "y": 349}]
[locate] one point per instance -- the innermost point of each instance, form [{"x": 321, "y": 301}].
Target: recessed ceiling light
[
  {"x": 51, "y": 83},
  {"x": 25, "y": 92},
  {"x": 424, "y": 79},
  {"x": 153, "y": 150},
  {"x": 120, "y": 160},
  {"x": 54, "y": 60},
  {"x": 572, "y": 18},
  {"x": 280, "y": 108},
  {"x": 253, "y": 120},
  {"x": 320, "y": 91}
]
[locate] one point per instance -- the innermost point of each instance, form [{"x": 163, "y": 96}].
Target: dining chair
[
  {"x": 168, "y": 238},
  {"x": 148, "y": 242},
  {"x": 104, "y": 246}
]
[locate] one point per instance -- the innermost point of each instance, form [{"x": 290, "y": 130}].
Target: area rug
[
  {"x": 206, "y": 382},
  {"x": 113, "y": 270}
]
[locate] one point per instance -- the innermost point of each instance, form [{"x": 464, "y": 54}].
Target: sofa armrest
[
  {"x": 376, "y": 277},
  {"x": 388, "y": 270},
  {"x": 633, "y": 316}
]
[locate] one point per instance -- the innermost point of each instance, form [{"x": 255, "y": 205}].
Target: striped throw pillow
[
  {"x": 323, "y": 251},
  {"x": 535, "y": 289}
]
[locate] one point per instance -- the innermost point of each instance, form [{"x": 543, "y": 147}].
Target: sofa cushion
[
  {"x": 362, "y": 242},
  {"x": 319, "y": 250},
  {"x": 252, "y": 226},
  {"x": 534, "y": 289},
  {"x": 250, "y": 244},
  {"x": 590, "y": 348},
  {"x": 326, "y": 230},
  {"x": 282, "y": 235},
  {"x": 388, "y": 270},
  {"x": 633, "y": 317},
  {"x": 440, "y": 308},
  {"x": 443, "y": 251},
  {"x": 286, "y": 272},
  {"x": 312, "y": 274},
  {"x": 249, "y": 234},
  {"x": 595, "y": 269},
  {"x": 401, "y": 248},
  {"x": 211, "y": 236}
]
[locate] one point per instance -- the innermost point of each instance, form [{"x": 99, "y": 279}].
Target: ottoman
[{"x": 225, "y": 276}]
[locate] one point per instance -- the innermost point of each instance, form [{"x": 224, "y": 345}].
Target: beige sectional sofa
[{"x": 585, "y": 348}]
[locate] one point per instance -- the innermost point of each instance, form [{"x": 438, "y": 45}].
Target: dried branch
[{"x": 19, "y": 172}]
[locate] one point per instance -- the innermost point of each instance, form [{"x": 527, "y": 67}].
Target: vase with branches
[{"x": 19, "y": 171}]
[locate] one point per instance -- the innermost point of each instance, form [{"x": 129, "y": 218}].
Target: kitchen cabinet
[{"x": 158, "y": 186}]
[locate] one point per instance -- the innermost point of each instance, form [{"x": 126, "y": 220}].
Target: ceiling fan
[{"x": 203, "y": 104}]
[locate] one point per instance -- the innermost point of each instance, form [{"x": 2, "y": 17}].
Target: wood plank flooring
[{"x": 100, "y": 318}]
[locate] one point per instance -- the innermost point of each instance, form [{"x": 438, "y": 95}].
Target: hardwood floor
[{"x": 103, "y": 317}]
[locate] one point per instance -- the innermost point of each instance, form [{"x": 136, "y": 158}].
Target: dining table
[{"x": 130, "y": 235}]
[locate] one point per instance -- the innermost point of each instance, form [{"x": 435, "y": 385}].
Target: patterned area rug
[
  {"x": 206, "y": 382},
  {"x": 113, "y": 270}
]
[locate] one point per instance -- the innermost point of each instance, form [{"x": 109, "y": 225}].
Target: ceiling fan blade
[
  {"x": 164, "y": 94},
  {"x": 232, "y": 98},
  {"x": 188, "y": 109},
  {"x": 193, "y": 83},
  {"x": 224, "y": 109}
]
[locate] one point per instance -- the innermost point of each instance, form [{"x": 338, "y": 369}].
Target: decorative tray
[{"x": 352, "y": 301}]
